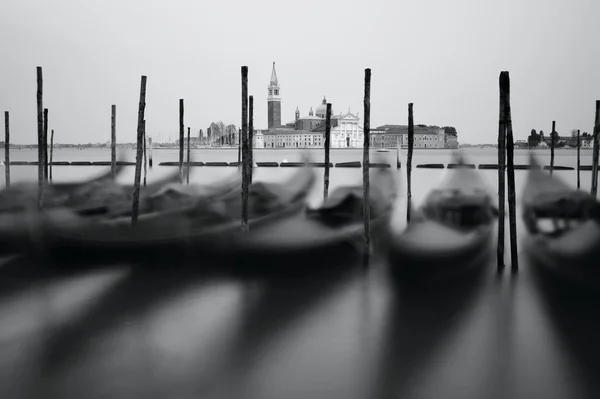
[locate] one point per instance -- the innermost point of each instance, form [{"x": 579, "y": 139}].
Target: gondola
[
  {"x": 450, "y": 233},
  {"x": 322, "y": 234},
  {"x": 563, "y": 226},
  {"x": 208, "y": 216},
  {"x": 98, "y": 198}
]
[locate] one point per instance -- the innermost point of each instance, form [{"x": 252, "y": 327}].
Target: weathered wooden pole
[
  {"x": 250, "y": 135},
  {"x": 398, "y": 163},
  {"x": 327, "y": 145},
  {"x": 578, "y": 160},
  {"x": 501, "y": 171},
  {"x": 145, "y": 159},
  {"x": 150, "y": 152},
  {"x": 552, "y": 139},
  {"x": 51, "y": 152},
  {"x": 40, "y": 122},
  {"x": 245, "y": 158},
  {"x": 139, "y": 153},
  {"x": 181, "y": 140},
  {"x": 510, "y": 161},
  {"x": 411, "y": 141},
  {"x": 7, "y": 148},
  {"x": 45, "y": 145},
  {"x": 113, "y": 140},
  {"x": 595, "y": 150},
  {"x": 366, "y": 167},
  {"x": 187, "y": 177}
]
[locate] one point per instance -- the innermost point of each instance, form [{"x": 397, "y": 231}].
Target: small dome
[{"x": 322, "y": 109}]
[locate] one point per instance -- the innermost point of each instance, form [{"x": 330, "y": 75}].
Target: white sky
[{"x": 445, "y": 56}]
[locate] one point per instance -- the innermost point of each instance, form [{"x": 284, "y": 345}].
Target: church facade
[{"x": 308, "y": 131}]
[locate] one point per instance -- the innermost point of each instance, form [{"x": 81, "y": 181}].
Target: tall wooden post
[
  {"x": 51, "y": 152},
  {"x": 7, "y": 148},
  {"x": 595, "y": 150},
  {"x": 250, "y": 134},
  {"x": 113, "y": 140},
  {"x": 245, "y": 160},
  {"x": 139, "y": 153},
  {"x": 411, "y": 141},
  {"x": 327, "y": 145},
  {"x": 40, "y": 122},
  {"x": 578, "y": 160},
  {"x": 181, "y": 140},
  {"x": 366, "y": 166},
  {"x": 512, "y": 213},
  {"x": 552, "y": 141},
  {"x": 398, "y": 163},
  {"x": 45, "y": 145},
  {"x": 187, "y": 177},
  {"x": 501, "y": 171}
]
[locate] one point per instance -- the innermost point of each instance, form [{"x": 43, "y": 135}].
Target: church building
[{"x": 308, "y": 131}]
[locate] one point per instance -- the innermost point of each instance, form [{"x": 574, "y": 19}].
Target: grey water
[{"x": 344, "y": 332}]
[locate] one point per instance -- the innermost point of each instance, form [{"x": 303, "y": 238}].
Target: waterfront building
[{"x": 388, "y": 136}]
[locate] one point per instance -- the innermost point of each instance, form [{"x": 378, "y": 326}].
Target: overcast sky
[{"x": 445, "y": 56}]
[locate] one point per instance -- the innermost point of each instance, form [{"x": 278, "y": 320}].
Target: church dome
[{"x": 322, "y": 109}]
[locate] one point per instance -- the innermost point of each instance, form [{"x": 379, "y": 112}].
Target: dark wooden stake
[
  {"x": 40, "y": 121},
  {"x": 250, "y": 136},
  {"x": 366, "y": 145},
  {"x": 187, "y": 177},
  {"x": 327, "y": 145},
  {"x": 552, "y": 139},
  {"x": 145, "y": 158},
  {"x": 398, "y": 163},
  {"x": 595, "y": 151},
  {"x": 139, "y": 153},
  {"x": 7, "y": 148},
  {"x": 45, "y": 145},
  {"x": 501, "y": 170},
  {"x": 245, "y": 158},
  {"x": 578, "y": 160},
  {"x": 113, "y": 141},
  {"x": 51, "y": 152},
  {"x": 150, "y": 155},
  {"x": 510, "y": 160},
  {"x": 411, "y": 141},
  {"x": 181, "y": 141}
]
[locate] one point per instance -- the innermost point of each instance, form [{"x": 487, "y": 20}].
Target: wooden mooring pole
[
  {"x": 327, "y": 145},
  {"x": 51, "y": 152},
  {"x": 7, "y": 148},
  {"x": 595, "y": 151},
  {"x": 510, "y": 166},
  {"x": 578, "y": 160},
  {"x": 187, "y": 175},
  {"x": 250, "y": 135},
  {"x": 181, "y": 127},
  {"x": 411, "y": 141},
  {"x": 501, "y": 171},
  {"x": 113, "y": 140},
  {"x": 245, "y": 158},
  {"x": 553, "y": 134},
  {"x": 45, "y": 145},
  {"x": 139, "y": 153},
  {"x": 40, "y": 123},
  {"x": 366, "y": 145}
]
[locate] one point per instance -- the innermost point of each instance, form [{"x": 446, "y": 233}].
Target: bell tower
[{"x": 274, "y": 101}]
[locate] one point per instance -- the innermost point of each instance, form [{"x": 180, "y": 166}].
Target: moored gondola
[
  {"x": 450, "y": 233},
  {"x": 331, "y": 233},
  {"x": 563, "y": 226}
]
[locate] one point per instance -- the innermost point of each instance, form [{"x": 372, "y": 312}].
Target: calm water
[{"x": 354, "y": 333}]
